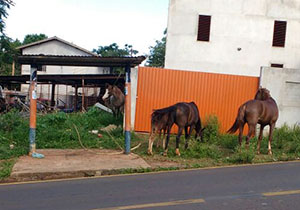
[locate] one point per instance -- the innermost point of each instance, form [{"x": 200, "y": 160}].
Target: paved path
[
  {"x": 271, "y": 186},
  {"x": 73, "y": 163}
]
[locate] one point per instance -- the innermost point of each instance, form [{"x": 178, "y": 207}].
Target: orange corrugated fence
[{"x": 214, "y": 94}]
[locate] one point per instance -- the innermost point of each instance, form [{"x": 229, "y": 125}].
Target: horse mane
[{"x": 262, "y": 94}]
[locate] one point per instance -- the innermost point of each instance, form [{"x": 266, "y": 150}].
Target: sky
[{"x": 91, "y": 23}]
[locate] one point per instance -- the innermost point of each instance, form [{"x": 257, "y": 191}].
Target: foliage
[
  {"x": 113, "y": 50},
  {"x": 4, "y": 5},
  {"x": 212, "y": 126},
  {"x": 30, "y": 38},
  {"x": 157, "y": 52}
]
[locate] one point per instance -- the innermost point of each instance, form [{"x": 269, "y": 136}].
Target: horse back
[{"x": 265, "y": 112}]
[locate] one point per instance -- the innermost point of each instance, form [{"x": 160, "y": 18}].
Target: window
[
  {"x": 279, "y": 33},
  {"x": 203, "y": 28},
  {"x": 276, "y": 65}
]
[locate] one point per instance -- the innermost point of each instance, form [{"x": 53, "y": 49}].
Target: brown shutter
[
  {"x": 279, "y": 33},
  {"x": 276, "y": 65},
  {"x": 203, "y": 28}
]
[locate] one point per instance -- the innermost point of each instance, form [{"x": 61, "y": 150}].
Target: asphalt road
[{"x": 272, "y": 186}]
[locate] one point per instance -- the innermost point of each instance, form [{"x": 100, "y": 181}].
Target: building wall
[
  {"x": 284, "y": 86},
  {"x": 245, "y": 24}
]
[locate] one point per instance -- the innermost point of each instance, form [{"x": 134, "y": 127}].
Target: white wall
[
  {"x": 245, "y": 24},
  {"x": 284, "y": 86},
  {"x": 55, "y": 47}
]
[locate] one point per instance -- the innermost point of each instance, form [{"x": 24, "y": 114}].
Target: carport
[{"x": 37, "y": 61}]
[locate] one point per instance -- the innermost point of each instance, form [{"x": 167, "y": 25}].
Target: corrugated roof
[{"x": 64, "y": 60}]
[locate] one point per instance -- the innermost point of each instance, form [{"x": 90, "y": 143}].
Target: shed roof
[
  {"x": 80, "y": 60},
  {"x": 56, "y": 39}
]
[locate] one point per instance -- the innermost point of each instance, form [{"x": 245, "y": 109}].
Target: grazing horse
[
  {"x": 114, "y": 99},
  {"x": 184, "y": 115},
  {"x": 159, "y": 122},
  {"x": 262, "y": 110}
]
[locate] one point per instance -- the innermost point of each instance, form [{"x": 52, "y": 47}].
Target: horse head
[
  {"x": 262, "y": 94},
  {"x": 108, "y": 91}
]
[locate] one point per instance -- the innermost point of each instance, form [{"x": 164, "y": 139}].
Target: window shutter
[
  {"x": 204, "y": 28},
  {"x": 276, "y": 65},
  {"x": 279, "y": 33}
]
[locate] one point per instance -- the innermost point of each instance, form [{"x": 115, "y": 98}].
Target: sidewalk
[{"x": 70, "y": 163}]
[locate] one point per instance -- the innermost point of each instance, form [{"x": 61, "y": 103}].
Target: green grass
[{"x": 71, "y": 131}]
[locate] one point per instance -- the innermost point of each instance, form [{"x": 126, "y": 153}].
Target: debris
[
  {"x": 11, "y": 146},
  {"x": 104, "y": 108},
  {"x": 100, "y": 135},
  {"x": 94, "y": 131},
  {"x": 109, "y": 128}
]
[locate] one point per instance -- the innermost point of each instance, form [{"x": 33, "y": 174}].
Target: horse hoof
[
  {"x": 177, "y": 152},
  {"x": 150, "y": 152},
  {"x": 270, "y": 152},
  {"x": 258, "y": 152},
  {"x": 165, "y": 154}
]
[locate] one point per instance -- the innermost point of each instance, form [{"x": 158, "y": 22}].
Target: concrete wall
[
  {"x": 284, "y": 86},
  {"x": 245, "y": 24},
  {"x": 134, "y": 81}
]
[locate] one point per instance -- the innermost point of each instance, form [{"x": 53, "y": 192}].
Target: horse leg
[
  {"x": 180, "y": 129},
  {"x": 164, "y": 138},
  {"x": 260, "y": 138},
  {"x": 150, "y": 142},
  {"x": 167, "y": 141},
  {"x": 159, "y": 139},
  {"x": 186, "y": 136},
  {"x": 250, "y": 133},
  {"x": 272, "y": 125},
  {"x": 241, "y": 130}
]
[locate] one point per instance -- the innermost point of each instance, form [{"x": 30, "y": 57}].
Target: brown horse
[
  {"x": 185, "y": 116},
  {"x": 262, "y": 110},
  {"x": 114, "y": 99},
  {"x": 159, "y": 122}
]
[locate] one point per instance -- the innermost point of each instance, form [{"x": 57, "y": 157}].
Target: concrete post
[
  {"x": 127, "y": 109},
  {"x": 33, "y": 103}
]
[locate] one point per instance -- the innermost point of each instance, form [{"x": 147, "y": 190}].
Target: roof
[
  {"x": 66, "y": 79},
  {"x": 40, "y": 60},
  {"x": 56, "y": 39}
]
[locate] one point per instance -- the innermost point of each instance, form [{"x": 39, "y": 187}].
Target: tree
[
  {"x": 113, "y": 50},
  {"x": 4, "y": 5},
  {"x": 157, "y": 52},
  {"x": 30, "y": 38}
]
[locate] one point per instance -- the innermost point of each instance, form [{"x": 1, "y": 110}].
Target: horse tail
[{"x": 239, "y": 119}]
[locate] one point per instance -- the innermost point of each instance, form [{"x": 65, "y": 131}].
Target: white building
[
  {"x": 57, "y": 46},
  {"x": 233, "y": 36}
]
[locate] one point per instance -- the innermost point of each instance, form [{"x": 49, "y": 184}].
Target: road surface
[{"x": 270, "y": 186}]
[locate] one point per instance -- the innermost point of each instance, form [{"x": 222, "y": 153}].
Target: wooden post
[
  {"x": 13, "y": 68},
  {"x": 76, "y": 96},
  {"x": 82, "y": 95},
  {"x": 52, "y": 96}
]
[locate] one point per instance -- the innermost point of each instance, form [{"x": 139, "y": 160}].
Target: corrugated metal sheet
[{"x": 214, "y": 94}]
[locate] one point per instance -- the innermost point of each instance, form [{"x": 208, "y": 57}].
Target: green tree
[
  {"x": 4, "y": 5},
  {"x": 157, "y": 52},
  {"x": 113, "y": 50},
  {"x": 30, "y": 38}
]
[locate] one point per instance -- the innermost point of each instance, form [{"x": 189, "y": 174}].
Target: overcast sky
[{"x": 91, "y": 23}]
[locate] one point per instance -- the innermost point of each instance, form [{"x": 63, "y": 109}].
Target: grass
[{"x": 71, "y": 131}]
